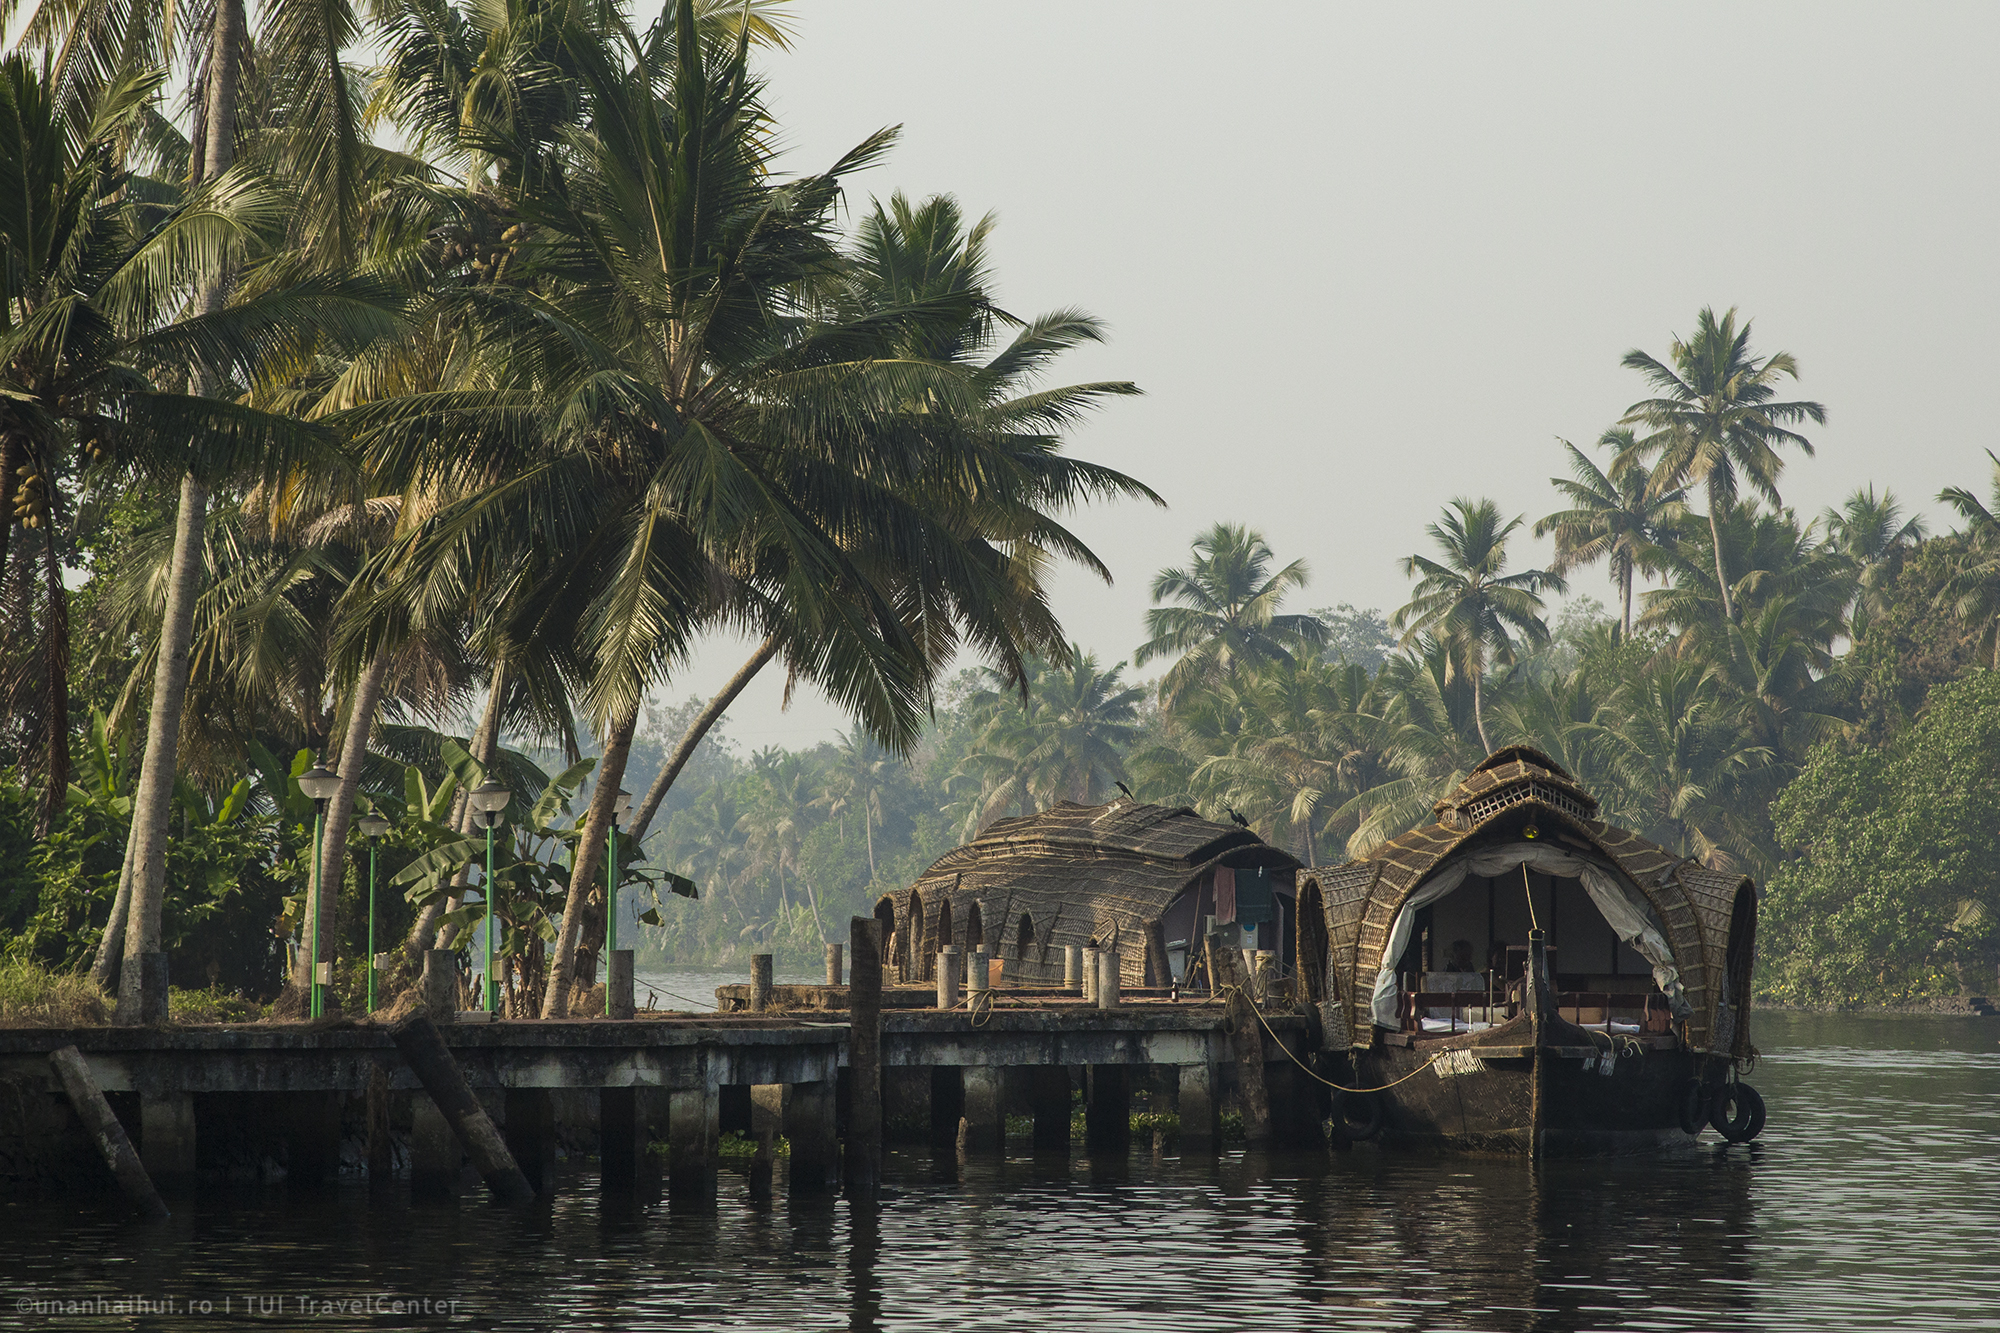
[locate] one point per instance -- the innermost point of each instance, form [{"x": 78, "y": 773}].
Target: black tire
[
  {"x": 1695, "y": 1108},
  {"x": 1737, "y": 1112},
  {"x": 1357, "y": 1116}
]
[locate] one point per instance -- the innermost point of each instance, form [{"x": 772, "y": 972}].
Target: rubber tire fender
[
  {"x": 1695, "y": 1107},
  {"x": 1737, "y": 1113},
  {"x": 1345, "y": 1104}
]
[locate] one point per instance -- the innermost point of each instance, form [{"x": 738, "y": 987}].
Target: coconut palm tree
[
  {"x": 1716, "y": 421},
  {"x": 1872, "y": 533},
  {"x": 1614, "y": 517},
  {"x": 1973, "y": 591},
  {"x": 1228, "y": 616},
  {"x": 1064, "y": 741},
  {"x": 1468, "y": 602}
]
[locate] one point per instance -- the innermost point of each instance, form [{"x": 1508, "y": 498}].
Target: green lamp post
[
  {"x": 374, "y": 825},
  {"x": 321, "y": 784},
  {"x": 619, "y": 805},
  {"x": 489, "y": 798}
]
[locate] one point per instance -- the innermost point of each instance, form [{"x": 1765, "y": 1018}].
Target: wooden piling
[
  {"x": 424, "y": 1049},
  {"x": 760, "y": 982},
  {"x": 1246, "y": 1035},
  {"x": 833, "y": 964},
  {"x": 864, "y": 1055},
  {"x": 113, "y": 1144}
]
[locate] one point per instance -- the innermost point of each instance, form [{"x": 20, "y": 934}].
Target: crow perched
[
  {"x": 1239, "y": 819},
  {"x": 1127, "y": 790}
]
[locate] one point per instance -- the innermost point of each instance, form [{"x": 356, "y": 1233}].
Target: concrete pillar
[
  {"x": 441, "y": 985},
  {"x": 815, "y": 1138},
  {"x": 618, "y": 984},
  {"x": 693, "y": 1127},
  {"x": 166, "y": 1137},
  {"x": 862, "y": 1164},
  {"x": 833, "y": 964},
  {"x": 979, "y": 998},
  {"x": 1107, "y": 1114},
  {"x": 1090, "y": 975},
  {"x": 1050, "y": 1095},
  {"x": 1295, "y": 1122},
  {"x": 985, "y": 1116},
  {"x": 767, "y": 1108},
  {"x": 1073, "y": 968},
  {"x": 530, "y": 1134},
  {"x": 1107, "y": 979},
  {"x": 944, "y": 1105},
  {"x": 436, "y": 1156},
  {"x": 381, "y": 1142},
  {"x": 312, "y": 1138},
  {"x": 947, "y": 978},
  {"x": 621, "y": 1140},
  {"x": 1201, "y": 1109},
  {"x": 760, "y": 982}
]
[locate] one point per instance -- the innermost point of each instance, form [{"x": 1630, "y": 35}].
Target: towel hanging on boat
[{"x": 1630, "y": 916}]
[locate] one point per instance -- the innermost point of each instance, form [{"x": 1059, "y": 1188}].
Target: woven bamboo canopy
[
  {"x": 1079, "y": 874},
  {"x": 1709, "y": 917}
]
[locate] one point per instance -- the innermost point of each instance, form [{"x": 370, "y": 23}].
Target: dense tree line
[{"x": 402, "y": 428}]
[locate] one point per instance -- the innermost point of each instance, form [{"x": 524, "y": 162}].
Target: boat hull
[{"x": 1485, "y": 1100}]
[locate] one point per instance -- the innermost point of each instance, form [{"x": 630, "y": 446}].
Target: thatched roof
[
  {"x": 1361, "y": 898},
  {"x": 1080, "y": 872}
]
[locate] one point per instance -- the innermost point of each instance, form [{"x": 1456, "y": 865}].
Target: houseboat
[{"x": 1519, "y": 976}]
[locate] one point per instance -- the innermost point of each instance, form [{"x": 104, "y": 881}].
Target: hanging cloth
[
  {"x": 1225, "y": 895},
  {"x": 1631, "y": 917}
]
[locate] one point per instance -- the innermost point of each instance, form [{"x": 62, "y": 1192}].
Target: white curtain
[{"x": 1630, "y": 916}]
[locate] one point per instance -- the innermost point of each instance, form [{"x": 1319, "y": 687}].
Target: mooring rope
[{"x": 1310, "y": 1072}]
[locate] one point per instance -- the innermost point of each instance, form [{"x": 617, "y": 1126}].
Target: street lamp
[
  {"x": 321, "y": 784},
  {"x": 619, "y": 805},
  {"x": 374, "y": 826},
  {"x": 490, "y": 798}
]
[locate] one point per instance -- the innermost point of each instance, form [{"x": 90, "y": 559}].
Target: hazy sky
[{"x": 1365, "y": 259}]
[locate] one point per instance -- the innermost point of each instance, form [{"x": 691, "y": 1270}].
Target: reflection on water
[{"x": 1871, "y": 1203}]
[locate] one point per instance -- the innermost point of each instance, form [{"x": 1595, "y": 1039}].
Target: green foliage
[
  {"x": 34, "y": 995},
  {"x": 1896, "y": 889}
]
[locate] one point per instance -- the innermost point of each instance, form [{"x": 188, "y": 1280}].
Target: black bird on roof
[
  {"x": 1127, "y": 790},
  {"x": 1239, "y": 819}
]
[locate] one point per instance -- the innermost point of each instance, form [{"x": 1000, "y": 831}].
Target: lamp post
[
  {"x": 374, "y": 826},
  {"x": 322, "y": 784},
  {"x": 490, "y": 798},
  {"x": 619, "y": 805}
]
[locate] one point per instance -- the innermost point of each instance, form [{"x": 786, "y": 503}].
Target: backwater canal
[{"x": 1871, "y": 1202}]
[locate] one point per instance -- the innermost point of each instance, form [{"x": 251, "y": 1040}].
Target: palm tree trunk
[
  {"x": 1625, "y": 592},
  {"x": 1721, "y": 579},
  {"x": 154, "y": 794},
  {"x": 697, "y": 729},
  {"x": 153, "y": 797},
  {"x": 322, "y": 904},
  {"x": 869, "y": 825},
  {"x": 110, "y": 947},
  {"x": 589, "y": 861},
  {"x": 1479, "y": 709},
  {"x": 484, "y": 742},
  {"x": 55, "y": 687}
]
